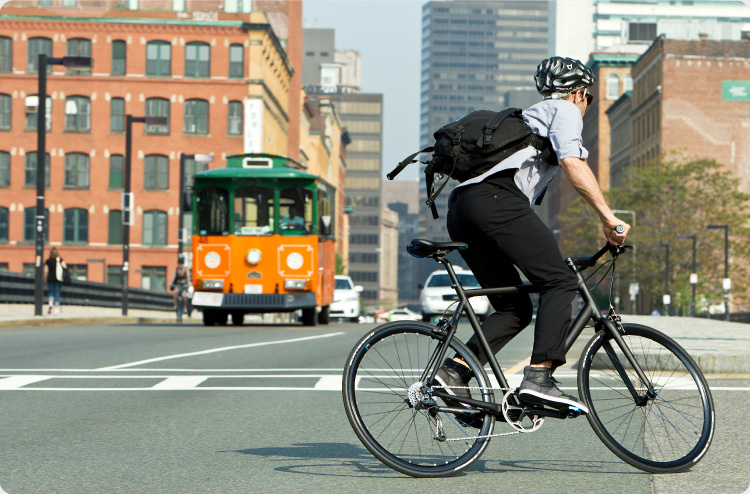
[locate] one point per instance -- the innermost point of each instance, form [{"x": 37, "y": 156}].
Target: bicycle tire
[
  {"x": 180, "y": 308},
  {"x": 669, "y": 432},
  {"x": 377, "y": 376}
]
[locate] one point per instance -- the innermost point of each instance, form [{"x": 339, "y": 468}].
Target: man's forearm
[{"x": 584, "y": 181}]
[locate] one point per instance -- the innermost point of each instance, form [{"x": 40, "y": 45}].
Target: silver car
[{"x": 437, "y": 295}]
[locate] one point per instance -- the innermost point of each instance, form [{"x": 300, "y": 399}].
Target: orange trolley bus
[{"x": 263, "y": 240}]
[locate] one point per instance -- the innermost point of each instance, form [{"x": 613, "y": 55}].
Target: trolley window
[
  {"x": 295, "y": 211},
  {"x": 253, "y": 211},
  {"x": 212, "y": 204}
]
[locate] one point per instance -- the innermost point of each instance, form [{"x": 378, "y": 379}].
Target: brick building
[
  {"x": 223, "y": 80},
  {"x": 693, "y": 97}
]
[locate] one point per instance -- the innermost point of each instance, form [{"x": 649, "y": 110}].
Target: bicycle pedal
[{"x": 573, "y": 411}]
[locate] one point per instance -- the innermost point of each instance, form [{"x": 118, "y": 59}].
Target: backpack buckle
[{"x": 457, "y": 136}]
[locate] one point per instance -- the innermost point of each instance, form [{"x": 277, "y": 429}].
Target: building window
[
  {"x": 192, "y": 167},
  {"x": 196, "y": 117},
  {"x": 156, "y": 172},
  {"x": 4, "y": 169},
  {"x": 236, "y": 61},
  {"x": 29, "y": 224},
  {"x": 6, "y": 54},
  {"x": 36, "y": 47},
  {"x": 613, "y": 86},
  {"x": 79, "y": 271},
  {"x": 159, "y": 59},
  {"x": 117, "y": 115},
  {"x": 76, "y": 171},
  {"x": 116, "y": 167},
  {"x": 154, "y": 228},
  {"x": 234, "y": 126},
  {"x": 78, "y": 47},
  {"x": 4, "y": 230},
  {"x": 643, "y": 32},
  {"x": 114, "y": 236},
  {"x": 5, "y": 107},
  {"x": 114, "y": 275},
  {"x": 197, "y": 60},
  {"x": 157, "y": 107},
  {"x": 154, "y": 278},
  {"x": 77, "y": 114},
  {"x": 628, "y": 83},
  {"x": 76, "y": 226},
  {"x": 119, "y": 51},
  {"x": 32, "y": 110},
  {"x": 30, "y": 170}
]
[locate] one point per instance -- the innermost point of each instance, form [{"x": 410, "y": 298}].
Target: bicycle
[
  {"x": 182, "y": 302},
  {"x": 648, "y": 401}
]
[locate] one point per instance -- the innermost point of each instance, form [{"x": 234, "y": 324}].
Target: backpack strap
[
  {"x": 406, "y": 162},
  {"x": 492, "y": 125}
]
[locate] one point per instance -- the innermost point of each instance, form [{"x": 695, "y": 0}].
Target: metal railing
[{"x": 18, "y": 288}]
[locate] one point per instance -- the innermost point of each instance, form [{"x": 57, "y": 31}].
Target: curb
[{"x": 63, "y": 321}]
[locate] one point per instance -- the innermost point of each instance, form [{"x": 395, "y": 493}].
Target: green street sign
[{"x": 735, "y": 90}]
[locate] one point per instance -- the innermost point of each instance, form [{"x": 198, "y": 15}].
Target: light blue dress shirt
[{"x": 561, "y": 122}]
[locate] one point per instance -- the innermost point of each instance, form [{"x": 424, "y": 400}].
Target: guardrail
[{"x": 18, "y": 288}]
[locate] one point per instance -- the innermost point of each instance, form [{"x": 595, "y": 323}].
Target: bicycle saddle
[{"x": 427, "y": 248}]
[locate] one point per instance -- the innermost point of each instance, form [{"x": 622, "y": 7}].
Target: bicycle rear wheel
[
  {"x": 382, "y": 381},
  {"x": 179, "y": 307},
  {"x": 667, "y": 431}
]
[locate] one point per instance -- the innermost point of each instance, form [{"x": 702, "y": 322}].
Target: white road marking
[
  {"x": 329, "y": 383},
  {"x": 15, "y": 382},
  {"x": 180, "y": 382},
  {"x": 301, "y": 380},
  {"x": 215, "y": 350}
]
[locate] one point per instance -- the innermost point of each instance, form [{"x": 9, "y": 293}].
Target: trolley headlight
[
  {"x": 253, "y": 256},
  {"x": 213, "y": 284},
  {"x": 295, "y": 284}
]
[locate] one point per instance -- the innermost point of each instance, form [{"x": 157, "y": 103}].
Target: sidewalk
[{"x": 23, "y": 315}]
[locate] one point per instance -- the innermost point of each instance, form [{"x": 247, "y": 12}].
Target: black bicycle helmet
[{"x": 560, "y": 74}]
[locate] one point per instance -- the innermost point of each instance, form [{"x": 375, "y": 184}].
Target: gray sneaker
[{"x": 538, "y": 387}]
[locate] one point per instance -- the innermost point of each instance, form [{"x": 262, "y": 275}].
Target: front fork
[{"x": 591, "y": 311}]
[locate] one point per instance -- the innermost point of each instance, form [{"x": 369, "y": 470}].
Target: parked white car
[
  {"x": 403, "y": 314},
  {"x": 345, "y": 299},
  {"x": 437, "y": 294}
]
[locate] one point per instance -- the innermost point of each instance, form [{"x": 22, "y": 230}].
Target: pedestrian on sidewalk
[{"x": 55, "y": 273}]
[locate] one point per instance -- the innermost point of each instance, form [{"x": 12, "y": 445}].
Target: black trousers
[{"x": 503, "y": 233}]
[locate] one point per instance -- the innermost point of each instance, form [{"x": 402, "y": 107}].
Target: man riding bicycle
[
  {"x": 492, "y": 213},
  {"x": 181, "y": 283}
]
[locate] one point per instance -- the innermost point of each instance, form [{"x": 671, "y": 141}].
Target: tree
[{"x": 671, "y": 198}]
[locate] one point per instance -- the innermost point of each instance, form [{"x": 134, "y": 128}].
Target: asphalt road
[{"x": 188, "y": 409}]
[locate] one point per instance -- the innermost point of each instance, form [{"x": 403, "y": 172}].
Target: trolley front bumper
[{"x": 251, "y": 302}]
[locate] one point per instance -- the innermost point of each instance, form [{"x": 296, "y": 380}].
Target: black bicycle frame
[{"x": 589, "y": 311}]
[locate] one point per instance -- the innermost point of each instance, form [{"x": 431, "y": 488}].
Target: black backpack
[{"x": 471, "y": 145}]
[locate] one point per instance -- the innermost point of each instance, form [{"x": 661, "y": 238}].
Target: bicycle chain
[{"x": 486, "y": 436}]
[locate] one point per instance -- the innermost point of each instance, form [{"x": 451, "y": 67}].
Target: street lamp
[
  {"x": 726, "y": 283},
  {"x": 693, "y": 274},
  {"x": 667, "y": 299},
  {"x": 127, "y": 199},
  {"x": 198, "y": 158},
  {"x": 41, "y": 162}
]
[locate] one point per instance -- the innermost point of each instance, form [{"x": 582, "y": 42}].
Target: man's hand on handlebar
[{"x": 615, "y": 231}]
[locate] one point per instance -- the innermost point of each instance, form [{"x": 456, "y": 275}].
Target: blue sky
[{"x": 388, "y": 33}]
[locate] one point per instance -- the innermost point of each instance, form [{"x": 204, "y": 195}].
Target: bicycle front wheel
[
  {"x": 394, "y": 413},
  {"x": 667, "y": 430}
]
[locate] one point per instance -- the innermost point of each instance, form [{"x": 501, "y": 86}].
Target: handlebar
[{"x": 587, "y": 262}]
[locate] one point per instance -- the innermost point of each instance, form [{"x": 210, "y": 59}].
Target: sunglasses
[{"x": 589, "y": 97}]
